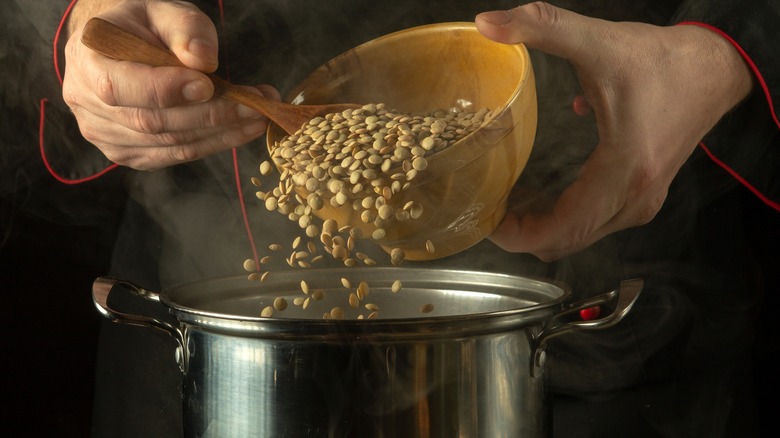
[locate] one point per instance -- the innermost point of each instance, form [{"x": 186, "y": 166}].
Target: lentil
[{"x": 363, "y": 159}]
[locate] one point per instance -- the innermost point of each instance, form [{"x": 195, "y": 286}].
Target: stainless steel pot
[{"x": 473, "y": 367}]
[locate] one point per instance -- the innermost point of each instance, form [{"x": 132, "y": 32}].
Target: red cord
[
  {"x": 49, "y": 168},
  {"x": 42, "y": 112},
  {"x": 53, "y": 173},
  {"x": 237, "y": 173},
  {"x": 56, "y": 52},
  {"x": 762, "y": 83},
  {"x": 739, "y": 178}
]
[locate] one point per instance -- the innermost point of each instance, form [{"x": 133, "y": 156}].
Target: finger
[
  {"x": 160, "y": 157},
  {"x": 583, "y": 214},
  {"x": 154, "y": 151},
  {"x": 129, "y": 84},
  {"x": 187, "y": 32},
  {"x": 212, "y": 114},
  {"x": 539, "y": 25}
]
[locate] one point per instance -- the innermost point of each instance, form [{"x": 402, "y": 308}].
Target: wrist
[{"x": 723, "y": 61}]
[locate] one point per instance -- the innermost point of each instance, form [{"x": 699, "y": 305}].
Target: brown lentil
[
  {"x": 426, "y": 308},
  {"x": 280, "y": 303},
  {"x": 361, "y": 159}
]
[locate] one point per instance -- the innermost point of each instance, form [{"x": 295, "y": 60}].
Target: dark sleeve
[
  {"x": 746, "y": 143},
  {"x": 41, "y": 138}
]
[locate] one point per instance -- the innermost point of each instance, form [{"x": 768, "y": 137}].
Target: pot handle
[
  {"x": 102, "y": 287},
  {"x": 626, "y": 295}
]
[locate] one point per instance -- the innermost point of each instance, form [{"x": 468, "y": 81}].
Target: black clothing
[{"x": 677, "y": 366}]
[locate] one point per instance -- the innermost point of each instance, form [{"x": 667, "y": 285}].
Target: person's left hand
[{"x": 655, "y": 92}]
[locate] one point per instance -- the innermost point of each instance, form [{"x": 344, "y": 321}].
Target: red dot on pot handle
[{"x": 590, "y": 313}]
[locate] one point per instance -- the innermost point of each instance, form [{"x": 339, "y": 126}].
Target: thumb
[
  {"x": 538, "y": 25},
  {"x": 188, "y": 32}
]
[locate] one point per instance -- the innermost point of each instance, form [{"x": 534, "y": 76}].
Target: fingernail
[
  {"x": 497, "y": 18},
  {"x": 196, "y": 91}
]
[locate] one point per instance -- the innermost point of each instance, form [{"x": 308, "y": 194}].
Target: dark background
[{"x": 49, "y": 323}]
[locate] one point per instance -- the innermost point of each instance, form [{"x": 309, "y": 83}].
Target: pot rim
[{"x": 511, "y": 287}]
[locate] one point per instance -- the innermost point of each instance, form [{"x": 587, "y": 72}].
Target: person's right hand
[{"x": 151, "y": 117}]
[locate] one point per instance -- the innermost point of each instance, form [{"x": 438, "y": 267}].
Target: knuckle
[
  {"x": 116, "y": 155},
  {"x": 160, "y": 91},
  {"x": 649, "y": 210},
  {"x": 69, "y": 95},
  {"x": 104, "y": 89},
  {"x": 215, "y": 116},
  {"x": 544, "y": 13},
  {"x": 146, "y": 121},
  {"x": 182, "y": 154},
  {"x": 90, "y": 134}
]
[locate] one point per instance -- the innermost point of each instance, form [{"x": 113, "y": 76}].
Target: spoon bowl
[{"x": 117, "y": 43}]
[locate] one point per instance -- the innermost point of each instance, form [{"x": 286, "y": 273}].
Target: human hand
[
  {"x": 152, "y": 117},
  {"x": 655, "y": 92}
]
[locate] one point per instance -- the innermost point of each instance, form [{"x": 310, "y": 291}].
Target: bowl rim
[{"x": 274, "y": 131}]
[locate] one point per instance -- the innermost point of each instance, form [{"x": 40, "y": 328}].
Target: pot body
[
  {"x": 472, "y": 367},
  {"x": 473, "y": 386}
]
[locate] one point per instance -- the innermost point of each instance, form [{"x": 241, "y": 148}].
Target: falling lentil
[
  {"x": 337, "y": 313},
  {"x": 250, "y": 265},
  {"x": 354, "y": 301},
  {"x": 362, "y": 159},
  {"x": 280, "y": 303},
  {"x": 426, "y": 308}
]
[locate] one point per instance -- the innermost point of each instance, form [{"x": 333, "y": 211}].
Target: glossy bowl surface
[{"x": 464, "y": 190}]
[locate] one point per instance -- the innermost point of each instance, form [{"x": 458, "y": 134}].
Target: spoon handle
[
  {"x": 114, "y": 42},
  {"x": 117, "y": 43}
]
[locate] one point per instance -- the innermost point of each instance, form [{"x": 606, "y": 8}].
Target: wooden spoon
[{"x": 115, "y": 42}]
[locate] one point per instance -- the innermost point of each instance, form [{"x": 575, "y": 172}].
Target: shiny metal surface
[{"x": 468, "y": 369}]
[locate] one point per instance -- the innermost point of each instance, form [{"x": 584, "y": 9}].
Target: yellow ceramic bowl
[{"x": 441, "y": 66}]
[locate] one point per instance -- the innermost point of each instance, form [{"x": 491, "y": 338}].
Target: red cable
[
  {"x": 236, "y": 172},
  {"x": 49, "y": 168},
  {"x": 762, "y": 83},
  {"x": 42, "y": 112},
  {"x": 55, "y": 52},
  {"x": 53, "y": 173},
  {"x": 739, "y": 178}
]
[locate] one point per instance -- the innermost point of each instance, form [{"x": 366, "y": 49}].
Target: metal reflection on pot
[{"x": 472, "y": 368}]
